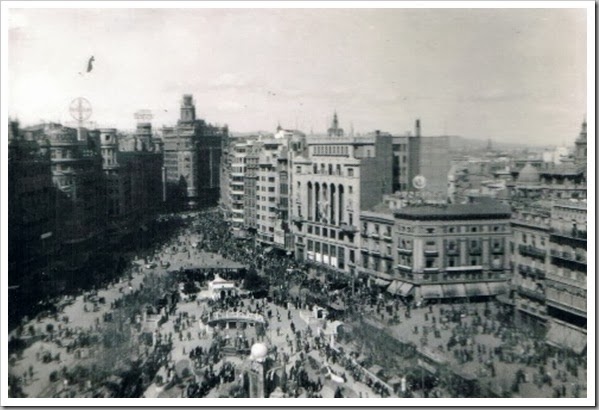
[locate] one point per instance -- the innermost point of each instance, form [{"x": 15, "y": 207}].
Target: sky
[{"x": 506, "y": 74}]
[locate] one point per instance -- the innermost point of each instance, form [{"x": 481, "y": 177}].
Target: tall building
[
  {"x": 78, "y": 177},
  {"x": 549, "y": 282},
  {"x": 566, "y": 284},
  {"x": 331, "y": 183},
  {"x": 273, "y": 188},
  {"x": 549, "y": 249},
  {"x": 192, "y": 154},
  {"x": 250, "y": 219}
]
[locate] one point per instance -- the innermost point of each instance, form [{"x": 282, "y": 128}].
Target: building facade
[
  {"x": 32, "y": 229},
  {"x": 192, "y": 154},
  {"x": 426, "y": 156},
  {"x": 451, "y": 252},
  {"x": 331, "y": 183}
]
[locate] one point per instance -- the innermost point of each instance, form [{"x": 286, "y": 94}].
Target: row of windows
[
  {"x": 329, "y": 233},
  {"x": 457, "y": 229},
  {"x": 331, "y": 150}
]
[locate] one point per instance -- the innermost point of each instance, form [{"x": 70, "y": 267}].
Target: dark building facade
[{"x": 32, "y": 227}]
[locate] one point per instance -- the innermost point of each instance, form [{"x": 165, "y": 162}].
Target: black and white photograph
[{"x": 298, "y": 203}]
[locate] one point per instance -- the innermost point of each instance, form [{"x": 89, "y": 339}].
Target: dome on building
[
  {"x": 529, "y": 175},
  {"x": 258, "y": 352}
]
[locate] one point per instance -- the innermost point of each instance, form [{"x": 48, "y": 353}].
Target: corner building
[{"x": 451, "y": 252}]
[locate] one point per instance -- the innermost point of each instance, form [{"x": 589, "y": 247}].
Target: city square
[{"x": 217, "y": 216}]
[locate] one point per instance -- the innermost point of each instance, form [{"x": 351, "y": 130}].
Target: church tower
[{"x": 334, "y": 130}]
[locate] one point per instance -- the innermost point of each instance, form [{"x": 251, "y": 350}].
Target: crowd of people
[{"x": 289, "y": 284}]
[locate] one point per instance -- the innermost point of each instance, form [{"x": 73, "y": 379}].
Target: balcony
[
  {"x": 431, "y": 252},
  {"x": 387, "y": 238},
  {"x": 531, "y": 293},
  {"x": 404, "y": 268},
  {"x": 498, "y": 250},
  {"x": 452, "y": 251},
  {"x": 475, "y": 251},
  {"x": 404, "y": 251},
  {"x": 374, "y": 236},
  {"x": 350, "y": 229},
  {"x": 533, "y": 252},
  {"x": 533, "y": 311},
  {"x": 530, "y": 271},
  {"x": 298, "y": 219},
  {"x": 569, "y": 260}
]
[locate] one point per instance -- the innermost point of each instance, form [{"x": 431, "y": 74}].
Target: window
[
  {"x": 309, "y": 228},
  {"x": 317, "y": 230},
  {"x": 430, "y": 262},
  {"x": 325, "y": 232},
  {"x": 351, "y": 189},
  {"x": 298, "y": 170},
  {"x": 350, "y": 173}
]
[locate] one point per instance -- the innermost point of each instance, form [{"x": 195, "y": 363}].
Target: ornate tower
[
  {"x": 335, "y": 131},
  {"x": 188, "y": 109},
  {"x": 580, "y": 153}
]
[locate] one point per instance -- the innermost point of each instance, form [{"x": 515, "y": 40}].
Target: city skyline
[{"x": 253, "y": 68}]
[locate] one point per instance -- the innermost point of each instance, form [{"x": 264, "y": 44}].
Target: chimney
[{"x": 418, "y": 127}]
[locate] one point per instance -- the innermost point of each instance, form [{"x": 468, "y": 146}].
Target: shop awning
[
  {"x": 454, "y": 290},
  {"x": 431, "y": 291},
  {"x": 380, "y": 282},
  {"x": 400, "y": 288},
  {"x": 568, "y": 337},
  {"x": 477, "y": 289},
  {"x": 496, "y": 288}
]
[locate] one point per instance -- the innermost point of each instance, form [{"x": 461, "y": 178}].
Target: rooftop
[{"x": 486, "y": 210}]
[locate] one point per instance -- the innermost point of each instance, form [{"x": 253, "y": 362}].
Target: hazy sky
[{"x": 517, "y": 74}]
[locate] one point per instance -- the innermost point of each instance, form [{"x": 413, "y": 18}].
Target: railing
[
  {"x": 573, "y": 257},
  {"x": 431, "y": 252},
  {"x": 452, "y": 251},
  {"x": 404, "y": 251},
  {"x": 570, "y": 233},
  {"x": 532, "y": 251},
  {"x": 475, "y": 251},
  {"x": 348, "y": 228},
  {"x": 531, "y": 293},
  {"x": 387, "y": 238}
]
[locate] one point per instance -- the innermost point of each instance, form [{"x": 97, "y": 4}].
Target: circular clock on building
[{"x": 419, "y": 182}]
